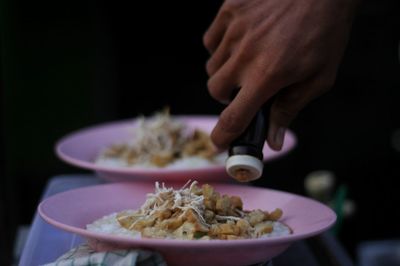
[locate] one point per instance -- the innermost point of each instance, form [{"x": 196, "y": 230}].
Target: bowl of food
[
  {"x": 161, "y": 146},
  {"x": 193, "y": 224}
]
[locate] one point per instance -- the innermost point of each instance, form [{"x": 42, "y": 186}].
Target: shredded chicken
[
  {"x": 196, "y": 213},
  {"x": 160, "y": 140}
]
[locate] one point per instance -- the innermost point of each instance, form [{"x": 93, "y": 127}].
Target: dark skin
[{"x": 287, "y": 48}]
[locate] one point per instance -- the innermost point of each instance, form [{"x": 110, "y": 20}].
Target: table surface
[{"x": 45, "y": 243}]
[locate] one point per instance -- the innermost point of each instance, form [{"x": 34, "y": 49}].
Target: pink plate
[
  {"x": 81, "y": 148},
  {"x": 74, "y": 209}
]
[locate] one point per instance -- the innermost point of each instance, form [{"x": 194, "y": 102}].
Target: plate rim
[{"x": 331, "y": 216}]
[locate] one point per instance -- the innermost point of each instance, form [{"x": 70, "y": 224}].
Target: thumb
[{"x": 287, "y": 104}]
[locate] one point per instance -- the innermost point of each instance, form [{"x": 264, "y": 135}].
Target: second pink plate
[
  {"x": 82, "y": 147},
  {"x": 74, "y": 209}
]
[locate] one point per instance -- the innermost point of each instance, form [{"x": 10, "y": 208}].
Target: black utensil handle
[{"x": 251, "y": 141}]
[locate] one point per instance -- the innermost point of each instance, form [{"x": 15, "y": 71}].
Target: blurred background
[{"x": 66, "y": 65}]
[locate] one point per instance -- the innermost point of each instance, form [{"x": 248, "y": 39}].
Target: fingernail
[
  {"x": 276, "y": 137},
  {"x": 279, "y": 137}
]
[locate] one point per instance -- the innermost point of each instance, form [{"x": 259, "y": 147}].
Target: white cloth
[{"x": 83, "y": 255}]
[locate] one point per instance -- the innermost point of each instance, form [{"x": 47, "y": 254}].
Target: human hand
[{"x": 287, "y": 48}]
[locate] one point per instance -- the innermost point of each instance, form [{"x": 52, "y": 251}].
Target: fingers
[
  {"x": 225, "y": 48},
  {"x": 283, "y": 110},
  {"x": 236, "y": 117},
  {"x": 216, "y": 31},
  {"x": 287, "y": 104},
  {"x": 224, "y": 81}
]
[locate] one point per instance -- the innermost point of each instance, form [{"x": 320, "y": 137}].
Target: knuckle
[
  {"x": 207, "y": 40},
  {"x": 238, "y": 27},
  {"x": 213, "y": 88},
  {"x": 217, "y": 91},
  {"x": 243, "y": 51},
  {"x": 232, "y": 35},
  {"x": 230, "y": 122},
  {"x": 210, "y": 68},
  {"x": 231, "y": 6}
]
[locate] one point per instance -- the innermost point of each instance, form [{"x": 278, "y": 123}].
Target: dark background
[{"x": 70, "y": 64}]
